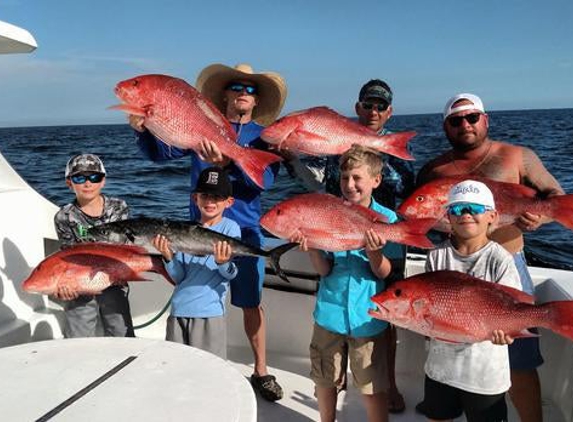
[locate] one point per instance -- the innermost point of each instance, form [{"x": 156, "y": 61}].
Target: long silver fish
[{"x": 184, "y": 236}]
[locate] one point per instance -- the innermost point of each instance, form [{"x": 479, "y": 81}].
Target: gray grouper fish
[{"x": 184, "y": 236}]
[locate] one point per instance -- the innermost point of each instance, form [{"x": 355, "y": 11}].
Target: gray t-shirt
[
  {"x": 71, "y": 222},
  {"x": 481, "y": 368}
]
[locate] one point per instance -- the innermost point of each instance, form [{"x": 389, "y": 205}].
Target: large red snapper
[
  {"x": 91, "y": 267},
  {"x": 177, "y": 114},
  {"x": 454, "y": 306},
  {"x": 511, "y": 200},
  {"x": 320, "y": 131},
  {"x": 332, "y": 224}
]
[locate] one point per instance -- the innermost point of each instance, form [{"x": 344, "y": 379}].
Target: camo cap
[{"x": 84, "y": 163}]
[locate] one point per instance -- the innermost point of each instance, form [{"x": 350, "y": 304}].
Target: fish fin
[
  {"x": 130, "y": 109},
  {"x": 275, "y": 256},
  {"x": 254, "y": 162},
  {"x": 96, "y": 283},
  {"x": 561, "y": 318},
  {"x": 562, "y": 206},
  {"x": 306, "y": 142},
  {"x": 395, "y": 144},
  {"x": 525, "y": 333},
  {"x": 413, "y": 232}
]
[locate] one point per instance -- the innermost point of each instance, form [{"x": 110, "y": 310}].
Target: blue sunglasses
[
  {"x": 238, "y": 87},
  {"x": 467, "y": 208},
  {"x": 80, "y": 179}
]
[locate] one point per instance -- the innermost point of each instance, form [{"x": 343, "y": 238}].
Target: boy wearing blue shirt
[
  {"x": 343, "y": 330},
  {"x": 198, "y": 304}
]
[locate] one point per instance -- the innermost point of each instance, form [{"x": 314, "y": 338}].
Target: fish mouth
[{"x": 378, "y": 311}]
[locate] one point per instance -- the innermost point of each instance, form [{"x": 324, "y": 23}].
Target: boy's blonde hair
[{"x": 359, "y": 155}]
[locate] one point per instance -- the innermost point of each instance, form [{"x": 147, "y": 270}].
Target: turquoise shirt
[{"x": 343, "y": 297}]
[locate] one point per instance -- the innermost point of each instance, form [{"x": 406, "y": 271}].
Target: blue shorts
[
  {"x": 524, "y": 353},
  {"x": 247, "y": 286}
]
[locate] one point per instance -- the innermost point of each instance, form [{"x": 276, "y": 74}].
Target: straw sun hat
[{"x": 272, "y": 89}]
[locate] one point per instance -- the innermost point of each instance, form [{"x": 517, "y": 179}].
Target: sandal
[{"x": 267, "y": 386}]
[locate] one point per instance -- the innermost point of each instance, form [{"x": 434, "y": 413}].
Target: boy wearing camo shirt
[{"x": 85, "y": 176}]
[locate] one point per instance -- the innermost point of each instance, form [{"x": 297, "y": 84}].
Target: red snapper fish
[
  {"x": 333, "y": 224},
  {"x": 456, "y": 307},
  {"x": 92, "y": 267},
  {"x": 511, "y": 200},
  {"x": 178, "y": 115},
  {"x": 320, "y": 131}
]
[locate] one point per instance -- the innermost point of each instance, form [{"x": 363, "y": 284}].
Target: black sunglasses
[
  {"x": 380, "y": 107},
  {"x": 239, "y": 87},
  {"x": 80, "y": 179},
  {"x": 472, "y": 119}
]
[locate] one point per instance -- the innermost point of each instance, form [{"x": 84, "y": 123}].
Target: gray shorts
[
  {"x": 209, "y": 334},
  {"x": 111, "y": 307}
]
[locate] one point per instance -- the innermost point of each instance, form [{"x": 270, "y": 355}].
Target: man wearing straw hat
[{"x": 250, "y": 101}]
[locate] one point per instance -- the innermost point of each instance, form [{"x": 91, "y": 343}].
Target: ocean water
[{"x": 39, "y": 154}]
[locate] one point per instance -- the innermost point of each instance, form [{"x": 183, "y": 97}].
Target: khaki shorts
[{"x": 330, "y": 353}]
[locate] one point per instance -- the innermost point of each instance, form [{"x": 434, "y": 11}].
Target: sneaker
[{"x": 267, "y": 386}]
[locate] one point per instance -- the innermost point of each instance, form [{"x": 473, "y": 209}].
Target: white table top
[{"x": 165, "y": 382}]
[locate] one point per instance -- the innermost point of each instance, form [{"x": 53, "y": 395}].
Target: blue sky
[{"x": 514, "y": 54}]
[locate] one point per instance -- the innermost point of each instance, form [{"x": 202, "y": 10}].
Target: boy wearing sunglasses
[
  {"x": 460, "y": 377},
  {"x": 85, "y": 176},
  {"x": 473, "y": 152},
  {"x": 198, "y": 305}
]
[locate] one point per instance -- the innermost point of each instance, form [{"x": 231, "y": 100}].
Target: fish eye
[
  {"x": 279, "y": 212},
  {"x": 419, "y": 198},
  {"x": 135, "y": 82},
  {"x": 398, "y": 292}
]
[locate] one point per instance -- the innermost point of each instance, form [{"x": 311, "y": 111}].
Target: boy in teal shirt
[{"x": 343, "y": 330}]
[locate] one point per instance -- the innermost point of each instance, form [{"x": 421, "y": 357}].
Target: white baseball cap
[
  {"x": 451, "y": 108},
  {"x": 471, "y": 191}
]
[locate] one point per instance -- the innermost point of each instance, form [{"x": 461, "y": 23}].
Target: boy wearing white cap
[{"x": 460, "y": 377}]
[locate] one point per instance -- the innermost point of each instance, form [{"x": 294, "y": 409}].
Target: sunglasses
[
  {"x": 239, "y": 87},
  {"x": 467, "y": 208},
  {"x": 378, "y": 107},
  {"x": 472, "y": 119},
  {"x": 80, "y": 179}
]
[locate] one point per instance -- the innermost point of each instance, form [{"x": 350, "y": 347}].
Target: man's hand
[
  {"x": 222, "y": 251},
  {"x": 162, "y": 244},
  {"x": 528, "y": 222},
  {"x": 211, "y": 153},
  {"x": 136, "y": 122}
]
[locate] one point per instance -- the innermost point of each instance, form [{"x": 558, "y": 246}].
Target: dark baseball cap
[
  {"x": 84, "y": 163},
  {"x": 375, "y": 88},
  {"x": 214, "y": 181}
]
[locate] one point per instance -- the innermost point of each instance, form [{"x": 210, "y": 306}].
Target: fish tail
[
  {"x": 397, "y": 144},
  {"x": 562, "y": 206},
  {"x": 159, "y": 268},
  {"x": 254, "y": 162},
  {"x": 561, "y": 317},
  {"x": 275, "y": 256},
  {"x": 414, "y": 231}
]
